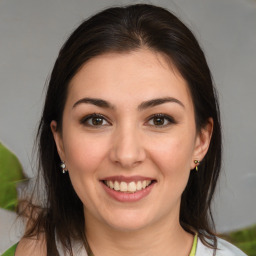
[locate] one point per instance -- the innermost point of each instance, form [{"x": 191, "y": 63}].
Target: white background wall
[{"x": 32, "y": 32}]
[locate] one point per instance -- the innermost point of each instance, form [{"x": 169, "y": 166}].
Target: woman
[{"x": 129, "y": 142}]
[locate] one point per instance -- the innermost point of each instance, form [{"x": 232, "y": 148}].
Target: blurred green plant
[
  {"x": 245, "y": 239},
  {"x": 10, "y": 174}
]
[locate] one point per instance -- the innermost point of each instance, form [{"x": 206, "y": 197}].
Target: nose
[{"x": 127, "y": 148}]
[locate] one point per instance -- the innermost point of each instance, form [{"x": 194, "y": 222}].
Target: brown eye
[
  {"x": 97, "y": 120},
  {"x": 94, "y": 120},
  {"x": 161, "y": 120},
  {"x": 158, "y": 120}
]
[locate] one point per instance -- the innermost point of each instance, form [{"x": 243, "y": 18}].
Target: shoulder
[
  {"x": 224, "y": 249},
  {"x": 228, "y": 249},
  {"x": 31, "y": 246}
]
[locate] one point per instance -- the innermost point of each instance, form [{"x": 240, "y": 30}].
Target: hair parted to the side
[{"x": 124, "y": 29}]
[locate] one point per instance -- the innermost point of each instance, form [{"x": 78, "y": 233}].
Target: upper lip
[{"x": 126, "y": 178}]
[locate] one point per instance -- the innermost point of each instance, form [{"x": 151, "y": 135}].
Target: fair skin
[{"x": 129, "y": 119}]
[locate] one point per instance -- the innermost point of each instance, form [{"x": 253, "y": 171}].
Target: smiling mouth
[{"x": 128, "y": 187}]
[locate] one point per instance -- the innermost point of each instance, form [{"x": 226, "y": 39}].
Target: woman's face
[{"x": 129, "y": 139}]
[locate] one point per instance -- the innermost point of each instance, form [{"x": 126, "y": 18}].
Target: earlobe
[
  {"x": 58, "y": 139},
  {"x": 202, "y": 143}
]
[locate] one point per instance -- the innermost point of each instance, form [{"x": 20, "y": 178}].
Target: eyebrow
[
  {"x": 94, "y": 101},
  {"x": 144, "y": 105},
  {"x": 159, "y": 101}
]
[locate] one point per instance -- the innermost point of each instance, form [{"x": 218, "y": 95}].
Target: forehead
[{"x": 123, "y": 77}]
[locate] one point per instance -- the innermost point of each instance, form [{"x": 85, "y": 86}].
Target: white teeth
[
  {"x": 116, "y": 186},
  {"x": 111, "y": 184},
  {"x": 128, "y": 187},
  {"x": 123, "y": 186},
  {"x": 132, "y": 187},
  {"x": 139, "y": 185}
]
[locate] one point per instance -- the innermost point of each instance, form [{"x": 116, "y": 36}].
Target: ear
[
  {"x": 202, "y": 142},
  {"x": 58, "y": 139}
]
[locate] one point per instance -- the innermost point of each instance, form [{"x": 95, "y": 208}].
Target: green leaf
[{"x": 10, "y": 174}]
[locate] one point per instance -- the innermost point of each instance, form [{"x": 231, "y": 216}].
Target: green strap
[
  {"x": 193, "y": 250},
  {"x": 10, "y": 251}
]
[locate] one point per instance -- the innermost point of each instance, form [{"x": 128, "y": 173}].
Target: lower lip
[{"x": 128, "y": 197}]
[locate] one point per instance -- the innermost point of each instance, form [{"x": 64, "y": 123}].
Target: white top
[{"x": 224, "y": 249}]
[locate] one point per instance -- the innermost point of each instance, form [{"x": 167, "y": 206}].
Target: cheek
[
  {"x": 83, "y": 153},
  {"x": 84, "y": 157},
  {"x": 173, "y": 155}
]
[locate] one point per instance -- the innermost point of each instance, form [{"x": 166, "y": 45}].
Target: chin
[
  {"x": 128, "y": 222},
  {"x": 127, "y": 227}
]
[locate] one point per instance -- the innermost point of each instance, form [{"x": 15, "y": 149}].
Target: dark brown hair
[{"x": 124, "y": 29}]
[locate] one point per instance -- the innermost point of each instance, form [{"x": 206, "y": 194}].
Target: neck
[{"x": 166, "y": 238}]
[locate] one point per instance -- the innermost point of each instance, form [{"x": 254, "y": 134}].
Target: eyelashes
[
  {"x": 160, "y": 120},
  {"x": 97, "y": 120}
]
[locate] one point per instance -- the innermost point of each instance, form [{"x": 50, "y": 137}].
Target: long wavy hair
[{"x": 122, "y": 30}]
